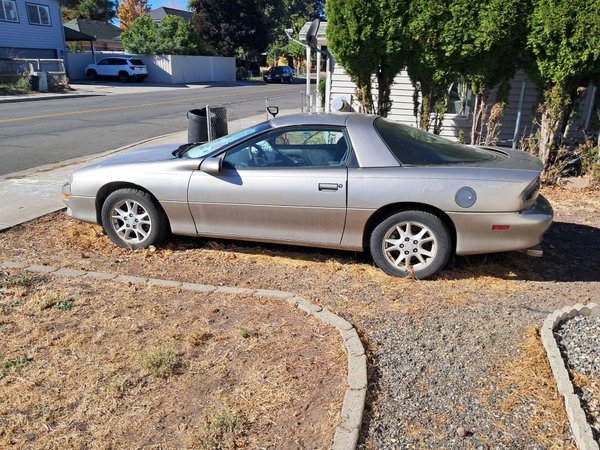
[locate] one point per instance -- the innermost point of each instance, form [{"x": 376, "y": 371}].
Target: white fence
[{"x": 168, "y": 69}]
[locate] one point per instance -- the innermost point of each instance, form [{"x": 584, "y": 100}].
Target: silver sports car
[{"x": 346, "y": 181}]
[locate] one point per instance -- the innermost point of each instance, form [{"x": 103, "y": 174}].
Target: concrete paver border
[
  {"x": 582, "y": 430},
  {"x": 347, "y": 432}
]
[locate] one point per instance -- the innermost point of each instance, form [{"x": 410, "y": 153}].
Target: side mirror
[{"x": 212, "y": 165}]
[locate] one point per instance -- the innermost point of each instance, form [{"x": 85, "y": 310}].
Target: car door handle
[{"x": 329, "y": 186}]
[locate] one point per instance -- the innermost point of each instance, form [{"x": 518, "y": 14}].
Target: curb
[
  {"x": 347, "y": 432},
  {"x": 36, "y": 98},
  {"x": 582, "y": 430}
]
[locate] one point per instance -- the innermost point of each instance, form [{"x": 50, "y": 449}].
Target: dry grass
[
  {"x": 582, "y": 381},
  {"x": 135, "y": 366},
  {"x": 219, "y": 429},
  {"x": 531, "y": 387}
]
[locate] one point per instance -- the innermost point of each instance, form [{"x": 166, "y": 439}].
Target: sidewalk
[
  {"x": 92, "y": 89},
  {"x": 35, "y": 192}
]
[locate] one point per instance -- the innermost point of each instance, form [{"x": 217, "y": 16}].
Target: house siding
[
  {"x": 402, "y": 110},
  {"x": 22, "y": 39}
]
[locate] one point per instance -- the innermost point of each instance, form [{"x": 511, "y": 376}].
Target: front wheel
[
  {"x": 132, "y": 219},
  {"x": 409, "y": 243},
  {"x": 92, "y": 75}
]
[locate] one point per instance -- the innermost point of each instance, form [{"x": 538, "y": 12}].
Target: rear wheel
[
  {"x": 123, "y": 77},
  {"x": 132, "y": 219},
  {"x": 92, "y": 75},
  {"x": 409, "y": 243}
]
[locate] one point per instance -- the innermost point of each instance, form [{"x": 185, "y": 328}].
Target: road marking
[{"x": 116, "y": 108}]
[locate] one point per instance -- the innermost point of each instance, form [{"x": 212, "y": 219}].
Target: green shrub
[{"x": 161, "y": 362}]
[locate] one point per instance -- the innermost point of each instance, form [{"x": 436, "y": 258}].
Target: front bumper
[
  {"x": 475, "y": 233},
  {"x": 82, "y": 208}
]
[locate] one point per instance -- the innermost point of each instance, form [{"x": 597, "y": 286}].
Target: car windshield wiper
[{"x": 179, "y": 152}]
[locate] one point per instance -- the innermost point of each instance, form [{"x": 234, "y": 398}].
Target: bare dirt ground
[
  {"x": 98, "y": 364},
  {"x": 457, "y": 351}
]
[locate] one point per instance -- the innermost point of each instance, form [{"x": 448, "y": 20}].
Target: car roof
[{"x": 334, "y": 119}]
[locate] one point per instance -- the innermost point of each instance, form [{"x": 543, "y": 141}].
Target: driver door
[{"x": 283, "y": 186}]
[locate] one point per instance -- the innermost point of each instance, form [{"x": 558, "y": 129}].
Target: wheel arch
[
  {"x": 393, "y": 208},
  {"x": 109, "y": 188}
]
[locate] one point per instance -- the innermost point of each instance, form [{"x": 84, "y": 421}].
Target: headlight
[{"x": 66, "y": 190}]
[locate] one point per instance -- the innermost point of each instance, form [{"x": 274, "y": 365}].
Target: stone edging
[
  {"x": 347, "y": 432},
  {"x": 582, "y": 431}
]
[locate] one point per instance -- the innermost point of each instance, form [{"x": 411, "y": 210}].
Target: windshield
[
  {"x": 412, "y": 146},
  {"x": 202, "y": 150}
]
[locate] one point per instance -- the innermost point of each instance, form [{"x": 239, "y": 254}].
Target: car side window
[
  {"x": 104, "y": 62},
  {"x": 297, "y": 147}
]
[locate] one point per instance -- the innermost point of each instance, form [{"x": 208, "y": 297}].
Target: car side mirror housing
[{"x": 212, "y": 165}]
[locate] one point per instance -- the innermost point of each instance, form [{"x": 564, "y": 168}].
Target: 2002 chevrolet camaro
[{"x": 346, "y": 181}]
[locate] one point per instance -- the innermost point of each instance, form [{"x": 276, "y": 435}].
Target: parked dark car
[{"x": 279, "y": 74}]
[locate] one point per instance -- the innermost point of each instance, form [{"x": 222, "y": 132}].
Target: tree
[
  {"x": 129, "y": 10},
  {"x": 231, "y": 27},
  {"x": 564, "y": 39},
  {"x": 292, "y": 14},
  {"x": 174, "y": 36},
  {"x": 103, "y": 10},
  {"x": 366, "y": 37},
  {"x": 483, "y": 42},
  {"x": 427, "y": 64}
]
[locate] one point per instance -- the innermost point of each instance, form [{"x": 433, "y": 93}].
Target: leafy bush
[{"x": 241, "y": 73}]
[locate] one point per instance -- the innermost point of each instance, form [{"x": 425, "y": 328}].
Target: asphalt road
[{"x": 35, "y": 133}]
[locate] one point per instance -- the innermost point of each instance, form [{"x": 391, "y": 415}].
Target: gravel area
[
  {"x": 579, "y": 342},
  {"x": 441, "y": 378}
]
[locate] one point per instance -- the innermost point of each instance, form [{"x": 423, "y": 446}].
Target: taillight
[
  {"x": 531, "y": 192},
  {"x": 132, "y": 67}
]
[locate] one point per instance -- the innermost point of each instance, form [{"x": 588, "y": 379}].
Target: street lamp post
[{"x": 288, "y": 33}]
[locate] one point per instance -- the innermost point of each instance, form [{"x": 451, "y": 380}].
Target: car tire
[
  {"x": 133, "y": 219},
  {"x": 92, "y": 75},
  {"x": 123, "y": 77},
  {"x": 411, "y": 243}
]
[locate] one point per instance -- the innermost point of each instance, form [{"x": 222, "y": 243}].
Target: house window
[
  {"x": 459, "y": 96},
  {"x": 8, "y": 11},
  {"x": 38, "y": 14}
]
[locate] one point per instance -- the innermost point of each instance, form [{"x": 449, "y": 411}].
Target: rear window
[
  {"x": 414, "y": 147},
  {"x": 137, "y": 62}
]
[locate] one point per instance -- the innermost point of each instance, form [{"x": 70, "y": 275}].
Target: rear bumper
[{"x": 474, "y": 232}]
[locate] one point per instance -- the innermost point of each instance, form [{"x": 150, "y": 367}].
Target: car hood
[{"x": 146, "y": 154}]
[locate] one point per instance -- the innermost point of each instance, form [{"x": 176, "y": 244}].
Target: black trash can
[
  {"x": 197, "y": 126},
  {"x": 34, "y": 81}
]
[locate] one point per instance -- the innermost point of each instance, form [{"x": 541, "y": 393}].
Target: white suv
[{"x": 122, "y": 68}]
